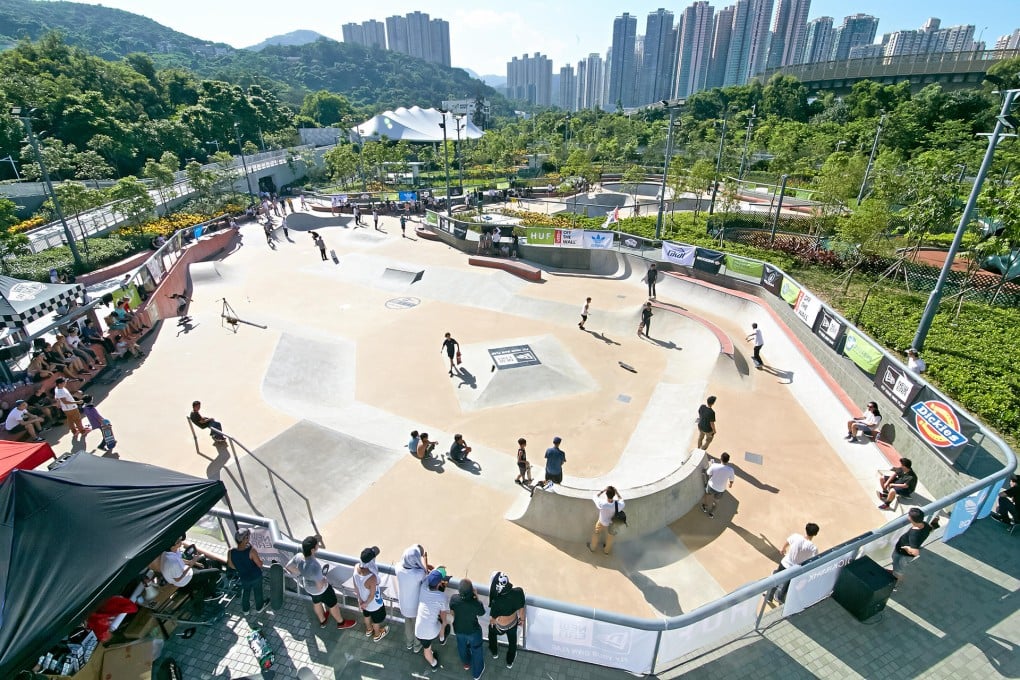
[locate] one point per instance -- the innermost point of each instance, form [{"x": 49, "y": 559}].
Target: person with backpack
[{"x": 610, "y": 513}]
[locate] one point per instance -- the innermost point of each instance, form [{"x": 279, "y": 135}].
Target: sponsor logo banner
[
  {"x": 572, "y": 238},
  {"x": 771, "y": 279},
  {"x": 709, "y": 632},
  {"x": 814, "y": 586},
  {"x": 830, "y": 329},
  {"x": 964, "y": 512},
  {"x": 541, "y": 236},
  {"x": 677, "y": 253},
  {"x": 710, "y": 261},
  {"x": 861, "y": 352},
  {"x": 898, "y": 386},
  {"x": 596, "y": 642},
  {"x": 513, "y": 357},
  {"x": 789, "y": 291},
  {"x": 404, "y": 196},
  {"x": 599, "y": 240},
  {"x": 939, "y": 424},
  {"x": 744, "y": 266},
  {"x": 807, "y": 307},
  {"x": 431, "y": 218}
]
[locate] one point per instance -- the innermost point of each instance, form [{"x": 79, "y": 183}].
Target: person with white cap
[
  {"x": 369, "y": 591},
  {"x": 248, "y": 565}
]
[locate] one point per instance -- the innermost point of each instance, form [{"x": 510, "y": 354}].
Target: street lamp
[
  {"x": 446, "y": 160},
  {"x": 459, "y": 118},
  {"x": 217, "y": 144},
  {"x": 244, "y": 164},
  {"x": 26, "y": 119},
  {"x": 718, "y": 162},
  {"x": 871, "y": 160},
  {"x": 747, "y": 142},
  {"x": 672, "y": 108}
]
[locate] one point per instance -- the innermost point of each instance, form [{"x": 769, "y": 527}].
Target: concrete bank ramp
[
  {"x": 305, "y": 222},
  {"x": 392, "y": 276},
  {"x": 214, "y": 272}
]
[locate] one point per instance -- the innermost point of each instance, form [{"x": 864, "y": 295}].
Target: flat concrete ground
[{"x": 351, "y": 361}]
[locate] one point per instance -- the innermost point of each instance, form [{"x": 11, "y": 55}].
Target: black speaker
[{"x": 863, "y": 588}]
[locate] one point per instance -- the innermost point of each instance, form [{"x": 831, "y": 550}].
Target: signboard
[
  {"x": 939, "y": 424},
  {"x": 584, "y": 639},
  {"x": 678, "y": 253},
  {"x": 807, "y": 307},
  {"x": 789, "y": 291},
  {"x": 541, "y": 236},
  {"x": 964, "y": 512},
  {"x": 431, "y": 218},
  {"x": 991, "y": 499},
  {"x": 814, "y": 586},
  {"x": 771, "y": 279},
  {"x": 830, "y": 329},
  {"x": 404, "y": 196},
  {"x": 862, "y": 352},
  {"x": 155, "y": 266},
  {"x": 599, "y": 240},
  {"x": 744, "y": 266},
  {"x": 710, "y": 261},
  {"x": 516, "y": 356},
  {"x": 898, "y": 386},
  {"x": 262, "y": 541},
  {"x": 572, "y": 238}
]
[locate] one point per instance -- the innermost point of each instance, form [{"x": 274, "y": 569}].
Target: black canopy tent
[{"x": 73, "y": 537}]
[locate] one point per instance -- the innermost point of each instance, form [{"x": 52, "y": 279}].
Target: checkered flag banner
[{"x": 22, "y": 302}]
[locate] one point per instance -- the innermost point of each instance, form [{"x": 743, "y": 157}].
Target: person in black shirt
[
  {"x": 466, "y": 609},
  {"x": 203, "y": 422},
  {"x": 1009, "y": 501},
  {"x": 452, "y": 348},
  {"x": 909, "y": 544},
  {"x": 506, "y": 612},
  {"x": 248, "y": 565},
  {"x": 901, "y": 483},
  {"x": 706, "y": 423}
]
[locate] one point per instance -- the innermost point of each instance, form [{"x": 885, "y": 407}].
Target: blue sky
[{"x": 483, "y": 37}]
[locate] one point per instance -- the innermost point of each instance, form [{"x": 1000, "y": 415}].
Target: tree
[
  {"x": 162, "y": 177},
  {"x": 342, "y": 163},
  {"x": 76, "y": 198},
  {"x": 132, "y": 199},
  {"x": 785, "y": 97},
  {"x": 200, "y": 179},
  {"x": 699, "y": 180},
  {"x": 863, "y": 230},
  {"x": 632, "y": 177},
  {"x": 326, "y": 108},
  {"x": 11, "y": 244},
  {"x": 1002, "y": 206}
]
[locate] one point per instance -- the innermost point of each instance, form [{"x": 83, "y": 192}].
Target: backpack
[{"x": 619, "y": 516}]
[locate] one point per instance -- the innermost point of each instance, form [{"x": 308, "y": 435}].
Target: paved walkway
[{"x": 954, "y": 616}]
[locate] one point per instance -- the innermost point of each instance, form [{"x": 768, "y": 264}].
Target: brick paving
[{"x": 955, "y": 615}]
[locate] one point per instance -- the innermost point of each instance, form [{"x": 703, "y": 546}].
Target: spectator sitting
[
  {"x": 901, "y": 482},
  {"x": 73, "y": 341},
  {"x": 201, "y": 421},
  {"x": 1006, "y": 510},
  {"x": 79, "y": 363},
  {"x": 412, "y": 445},
  {"x": 868, "y": 425},
  {"x": 113, "y": 323},
  {"x": 425, "y": 446},
  {"x": 20, "y": 419},
  {"x": 38, "y": 368},
  {"x": 124, "y": 345},
  {"x": 459, "y": 450},
  {"x": 194, "y": 571},
  {"x": 42, "y": 405}
]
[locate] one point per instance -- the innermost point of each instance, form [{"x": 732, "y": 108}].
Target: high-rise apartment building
[
  {"x": 722, "y": 35},
  {"x": 369, "y": 33},
  {"x": 439, "y": 42},
  {"x": 866, "y": 51},
  {"x": 858, "y": 29},
  {"x": 694, "y": 49},
  {"x": 420, "y": 36},
  {"x": 656, "y": 79},
  {"x": 930, "y": 38},
  {"x": 623, "y": 67},
  {"x": 818, "y": 43},
  {"x": 396, "y": 34},
  {"x": 529, "y": 79},
  {"x": 749, "y": 39},
  {"x": 789, "y": 30},
  {"x": 590, "y": 82},
  {"x": 761, "y": 14},
  {"x": 1010, "y": 41},
  {"x": 568, "y": 88}
]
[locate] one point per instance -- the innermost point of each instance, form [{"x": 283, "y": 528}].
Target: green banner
[
  {"x": 541, "y": 236},
  {"x": 744, "y": 266},
  {"x": 861, "y": 352},
  {"x": 789, "y": 291},
  {"x": 431, "y": 218}
]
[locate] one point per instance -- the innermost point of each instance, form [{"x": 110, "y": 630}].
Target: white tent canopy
[{"x": 415, "y": 125}]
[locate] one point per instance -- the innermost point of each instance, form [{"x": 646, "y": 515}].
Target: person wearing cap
[
  {"x": 915, "y": 363},
  {"x": 20, "y": 419},
  {"x": 433, "y": 614},
  {"x": 506, "y": 614},
  {"x": 366, "y": 585},
  {"x": 554, "y": 460},
  {"x": 245, "y": 560},
  {"x": 411, "y": 573},
  {"x": 312, "y": 577},
  {"x": 466, "y": 609},
  {"x": 68, "y": 406}
]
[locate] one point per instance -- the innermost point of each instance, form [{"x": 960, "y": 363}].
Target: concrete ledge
[
  {"x": 525, "y": 271},
  {"x": 725, "y": 343},
  {"x": 567, "y": 512},
  {"x": 426, "y": 233}
]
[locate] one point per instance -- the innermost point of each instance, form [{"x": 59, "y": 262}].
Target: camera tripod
[{"x": 229, "y": 317}]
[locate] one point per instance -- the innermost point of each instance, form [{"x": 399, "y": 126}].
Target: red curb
[{"x": 725, "y": 343}]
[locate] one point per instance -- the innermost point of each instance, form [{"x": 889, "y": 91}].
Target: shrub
[
  {"x": 102, "y": 252},
  {"x": 30, "y": 223}
]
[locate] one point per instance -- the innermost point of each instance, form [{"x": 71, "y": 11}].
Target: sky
[{"x": 484, "y": 38}]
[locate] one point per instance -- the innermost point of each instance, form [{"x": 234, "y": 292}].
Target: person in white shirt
[
  {"x": 758, "y": 342},
  {"x": 411, "y": 574},
  {"x": 720, "y": 477},
  {"x": 194, "y": 574},
  {"x": 608, "y": 507},
  {"x": 796, "y": 551},
  {"x": 915, "y": 363},
  {"x": 868, "y": 424},
  {"x": 68, "y": 406},
  {"x": 19, "y": 417},
  {"x": 433, "y": 616},
  {"x": 584, "y": 313}
]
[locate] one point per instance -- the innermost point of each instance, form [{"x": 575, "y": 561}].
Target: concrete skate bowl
[
  {"x": 206, "y": 274},
  {"x": 644, "y": 189},
  {"x": 306, "y": 222}
]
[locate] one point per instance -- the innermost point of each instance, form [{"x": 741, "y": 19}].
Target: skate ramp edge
[
  {"x": 210, "y": 272},
  {"x": 568, "y": 514},
  {"x": 306, "y": 222},
  {"x": 402, "y": 276}
]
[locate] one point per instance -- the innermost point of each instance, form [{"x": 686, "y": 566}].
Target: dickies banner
[
  {"x": 771, "y": 279},
  {"x": 939, "y": 424},
  {"x": 898, "y": 386},
  {"x": 679, "y": 254}
]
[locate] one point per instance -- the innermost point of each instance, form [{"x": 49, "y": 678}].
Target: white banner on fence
[
  {"x": 597, "y": 642},
  {"x": 677, "y": 253},
  {"x": 598, "y": 240},
  {"x": 572, "y": 238},
  {"x": 807, "y": 307},
  {"x": 155, "y": 266},
  {"x": 814, "y": 586},
  {"x": 704, "y": 634},
  {"x": 262, "y": 541}
]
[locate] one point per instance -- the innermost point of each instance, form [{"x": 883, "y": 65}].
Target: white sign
[
  {"x": 814, "y": 586},
  {"x": 590, "y": 641},
  {"x": 678, "y": 254},
  {"x": 807, "y": 307},
  {"x": 599, "y": 240},
  {"x": 708, "y": 632},
  {"x": 262, "y": 541},
  {"x": 572, "y": 238}
]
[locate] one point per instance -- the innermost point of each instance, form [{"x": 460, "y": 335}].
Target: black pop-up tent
[{"x": 73, "y": 537}]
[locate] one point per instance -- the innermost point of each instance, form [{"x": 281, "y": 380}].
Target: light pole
[
  {"x": 446, "y": 161},
  {"x": 1003, "y": 120},
  {"x": 26, "y": 120},
  {"x": 747, "y": 142},
  {"x": 718, "y": 163},
  {"x": 871, "y": 159},
  {"x": 673, "y": 108},
  {"x": 14, "y": 167},
  {"x": 217, "y": 144},
  {"x": 244, "y": 164},
  {"x": 459, "y": 119}
]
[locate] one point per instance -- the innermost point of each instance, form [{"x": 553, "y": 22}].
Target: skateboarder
[
  {"x": 755, "y": 335},
  {"x": 706, "y": 423},
  {"x": 719, "y": 473},
  {"x": 321, "y": 245},
  {"x": 452, "y": 348},
  {"x": 403, "y": 226},
  {"x": 523, "y": 466},
  {"x": 650, "y": 278},
  {"x": 646, "y": 319},
  {"x": 584, "y": 313}
]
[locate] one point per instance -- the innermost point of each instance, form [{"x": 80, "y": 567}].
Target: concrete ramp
[
  {"x": 306, "y": 222},
  {"x": 732, "y": 372},
  {"x": 401, "y": 277},
  {"x": 211, "y": 272}
]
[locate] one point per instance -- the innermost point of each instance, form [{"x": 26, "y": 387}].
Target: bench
[{"x": 525, "y": 271}]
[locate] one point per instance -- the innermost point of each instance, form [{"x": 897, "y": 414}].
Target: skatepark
[{"x": 350, "y": 362}]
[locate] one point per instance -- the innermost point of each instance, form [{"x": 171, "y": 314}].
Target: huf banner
[
  {"x": 830, "y": 329},
  {"x": 743, "y": 266},
  {"x": 541, "y": 236},
  {"x": 860, "y": 351},
  {"x": 710, "y": 261},
  {"x": 678, "y": 253},
  {"x": 899, "y": 386},
  {"x": 771, "y": 279},
  {"x": 939, "y": 424}
]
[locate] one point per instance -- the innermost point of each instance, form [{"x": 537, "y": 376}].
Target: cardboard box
[
  {"x": 91, "y": 670},
  {"x": 132, "y": 661}
]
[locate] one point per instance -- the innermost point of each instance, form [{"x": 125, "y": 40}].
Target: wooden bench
[{"x": 525, "y": 271}]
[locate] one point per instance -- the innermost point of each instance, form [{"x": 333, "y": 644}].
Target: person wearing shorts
[
  {"x": 584, "y": 313},
  {"x": 523, "y": 466},
  {"x": 719, "y": 473},
  {"x": 312, "y": 577},
  {"x": 433, "y": 614},
  {"x": 554, "y": 460},
  {"x": 366, "y": 583}
]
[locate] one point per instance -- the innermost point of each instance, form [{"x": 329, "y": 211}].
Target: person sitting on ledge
[
  {"x": 869, "y": 424},
  {"x": 201, "y": 421},
  {"x": 901, "y": 482},
  {"x": 459, "y": 450}
]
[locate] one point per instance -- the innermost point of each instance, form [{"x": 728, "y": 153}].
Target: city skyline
[{"x": 483, "y": 40}]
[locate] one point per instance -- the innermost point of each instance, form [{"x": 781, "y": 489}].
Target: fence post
[{"x": 779, "y": 208}]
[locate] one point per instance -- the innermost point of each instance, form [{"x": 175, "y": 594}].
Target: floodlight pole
[
  {"x": 936, "y": 294},
  {"x": 26, "y": 119},
  {"x": 871, "y": 160},
  {"x": 446, "y": 161},
  {"x": 458, "y": 119},
  {"x": 747, "y": 142},
  {"x": 244, "y": 164},
  {"x": 665, "y": 168},
  {"x": 718, "y": 163}
]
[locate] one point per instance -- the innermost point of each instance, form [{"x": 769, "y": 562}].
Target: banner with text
[
  {"x": 771, "y": 279},
  {"x": 939, "y": 425},
  {"x": 964, "y": 512},
  {"x": 541, "y": 236},
  {"x": 899, "y": 386},
  {"x": 710, "y": 261},
  {"x": 678, "y": 253},
  {"x": 807, "y": 307},
  {"x": 862, "y": 352},
  {"x": 572, "y": 238},
  {"x": 789, "y": 291},
  {"x": 597, "y": 642},
  {"x": 744, "y": 266},
  {"x": 708, "y": 632},
  {"x": 830, "y": 329},
  {"x": 599, "y": 240}
]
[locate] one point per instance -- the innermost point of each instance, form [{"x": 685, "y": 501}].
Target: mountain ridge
[{"x": 302, "y": 36}]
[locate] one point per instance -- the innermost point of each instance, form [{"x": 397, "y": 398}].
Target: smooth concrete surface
[{"x": 334, "y": 356}]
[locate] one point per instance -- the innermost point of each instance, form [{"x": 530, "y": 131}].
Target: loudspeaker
[{"x": 863, "y": 588}]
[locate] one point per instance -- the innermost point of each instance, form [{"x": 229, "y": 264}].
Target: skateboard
[
  {"x": 276, "y": 586},
  {"x": 260, "y": 648},
  {"x": 332, "y": 253}
]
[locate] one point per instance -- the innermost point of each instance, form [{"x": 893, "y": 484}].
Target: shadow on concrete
[
  {"x": 759, "y": 542},
  {"x": 434, "y": 463},
  {"x": 664, "y": 599},
  {"x": 603, "y": 337},
  {"x": 779, "y": 373},
  {"x": 740, "y": 659},
  {"x": 665, "y": 344},
  {"x": 468, "y": 465},
  {"x": 466, "y": 378},
  {"x": 746, "y": 476}
]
